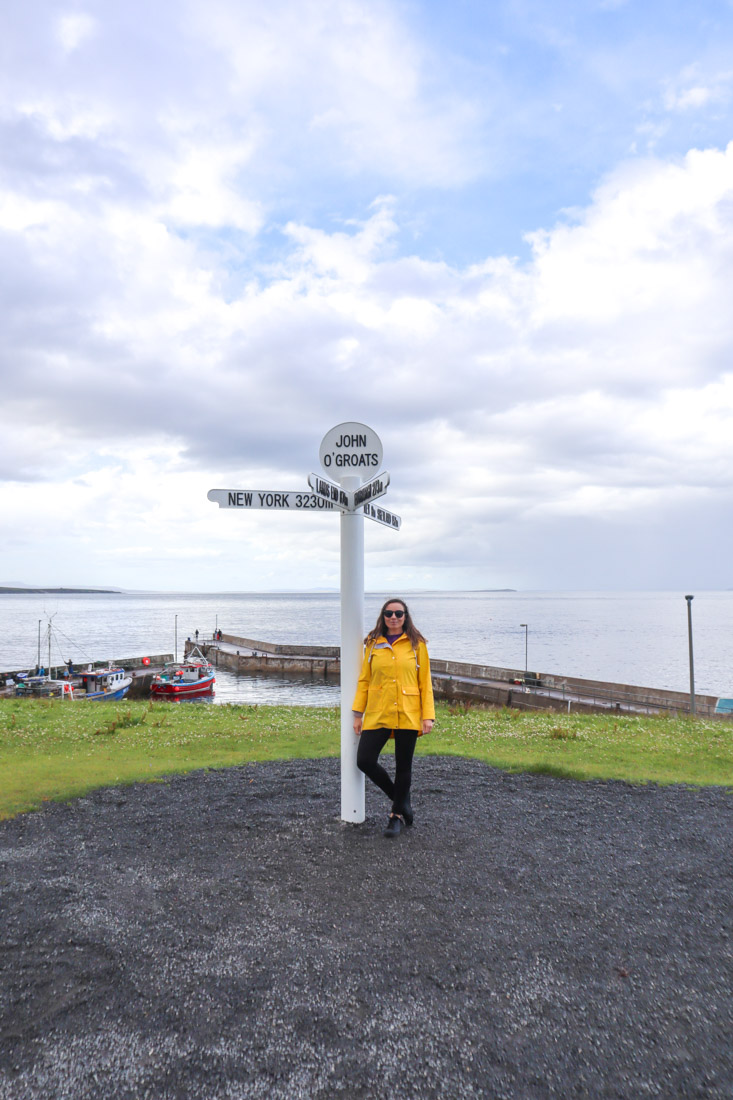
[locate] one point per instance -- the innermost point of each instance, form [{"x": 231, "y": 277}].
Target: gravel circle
[{"x": 225, "y": 935}]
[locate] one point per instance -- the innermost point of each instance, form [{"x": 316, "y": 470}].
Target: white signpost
[{"x": 351, "y": 455}]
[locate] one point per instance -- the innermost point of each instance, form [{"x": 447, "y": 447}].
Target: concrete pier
[{"x": 246, "y": 655}]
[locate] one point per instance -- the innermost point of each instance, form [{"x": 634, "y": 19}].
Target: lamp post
[
  {"x": 692, "y": 662},
  {"x": 175, "y": 639},
  {"x": 526, "y": 635}
]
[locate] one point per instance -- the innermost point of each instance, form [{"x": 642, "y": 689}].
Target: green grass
[
  {"x": 59, "y": 749},
  {"x": 597, "y": 746},
  {"x": 56, "y": 750}
]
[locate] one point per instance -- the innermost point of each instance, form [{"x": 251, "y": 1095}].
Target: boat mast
[{"x": 50, "y": 621}]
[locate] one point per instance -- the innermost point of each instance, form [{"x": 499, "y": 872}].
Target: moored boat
[
  {"x": 43, "y": 687},
  {"x": 184, "y": 679},
  {"x": 104, "y": 683}
]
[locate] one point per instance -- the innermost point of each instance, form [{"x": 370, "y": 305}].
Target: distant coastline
[
  {"x": 22, "y": 589},
  {"x": 61, "y": 591}
]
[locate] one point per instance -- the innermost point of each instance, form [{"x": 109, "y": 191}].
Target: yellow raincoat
[{"x": 395, "y": 690}]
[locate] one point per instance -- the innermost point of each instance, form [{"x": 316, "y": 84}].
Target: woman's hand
[
  {"x": 427, "y": 724},
  {"x": 358, "y": 723}
]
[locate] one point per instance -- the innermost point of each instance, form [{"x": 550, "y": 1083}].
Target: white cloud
[
  {"x": 74, "y": 30},
  {"x": 351, "y": 83},
  {"x": 344, "y": 256},
  {"x": 204, "y": 192},
  {"x": 629, "y": 304},
  {"x": 691, "y": 91},
  {"x": 167, "y": 330},
  {"x": 70, "y": 117}
]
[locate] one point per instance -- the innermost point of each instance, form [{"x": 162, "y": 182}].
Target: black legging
[{"x": 371, "y": 744}]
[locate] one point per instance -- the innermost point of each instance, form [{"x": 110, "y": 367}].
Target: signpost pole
[{"x": 352, "y": 647}]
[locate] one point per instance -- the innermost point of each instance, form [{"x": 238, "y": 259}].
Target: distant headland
[{"x": 60, "y": 591}]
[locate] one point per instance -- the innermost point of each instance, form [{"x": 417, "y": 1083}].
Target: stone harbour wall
[{"x": 464, "y": 681}]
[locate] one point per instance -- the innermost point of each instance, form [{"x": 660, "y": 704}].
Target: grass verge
[{"x": 54, "y": 750}]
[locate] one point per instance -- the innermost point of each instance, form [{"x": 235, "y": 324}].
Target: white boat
[{"x": 104, "y": 683}]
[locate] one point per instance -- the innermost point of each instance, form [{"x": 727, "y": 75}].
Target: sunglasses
[{"x": 394, "y": 614}]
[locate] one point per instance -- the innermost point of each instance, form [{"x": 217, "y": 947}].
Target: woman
[{"x": 394, "y": 698}]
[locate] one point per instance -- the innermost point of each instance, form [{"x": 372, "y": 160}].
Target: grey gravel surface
[{"x": 224, "y": 935}]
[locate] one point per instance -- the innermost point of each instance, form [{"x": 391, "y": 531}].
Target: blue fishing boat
[{"x": 103, "y": 683}]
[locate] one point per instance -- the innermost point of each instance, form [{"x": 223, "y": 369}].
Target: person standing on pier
[{"x": 394, "y": 699}]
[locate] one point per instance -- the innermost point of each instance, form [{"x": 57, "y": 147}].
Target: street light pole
[
  {"x": 175, "y": 639},
  {"x": 692, "y": 662},
  {"x": 526, "y": 635}
]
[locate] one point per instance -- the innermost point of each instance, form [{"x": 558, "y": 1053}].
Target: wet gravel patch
[{"x": 225, "y": 935}]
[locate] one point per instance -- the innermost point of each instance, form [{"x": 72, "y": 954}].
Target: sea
[{"x": 626, "y": 637}]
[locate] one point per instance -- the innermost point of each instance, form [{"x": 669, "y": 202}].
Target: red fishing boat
[{"x": 183, "y": 679}]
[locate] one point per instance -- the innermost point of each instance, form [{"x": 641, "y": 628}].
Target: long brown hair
[{"x": 408, "y": 627}]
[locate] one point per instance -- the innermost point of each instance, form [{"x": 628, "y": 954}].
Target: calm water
[{"x": 627, "y": 637}]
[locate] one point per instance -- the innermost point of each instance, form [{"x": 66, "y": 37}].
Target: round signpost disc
[{"x": 350, "y": 450}]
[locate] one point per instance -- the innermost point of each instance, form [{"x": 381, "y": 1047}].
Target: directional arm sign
[
  {"x": 381, "y": 515},
  {"x": 326, "y": 489},
  {"x": 274, "y": 499},
  {"x": 377, "y": 487},
  {"x": 348, "y": 500}
]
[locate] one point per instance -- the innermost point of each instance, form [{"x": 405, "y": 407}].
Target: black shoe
[
  {"x": 394, "y": 828},
  {"x": 405, "y": 812}
]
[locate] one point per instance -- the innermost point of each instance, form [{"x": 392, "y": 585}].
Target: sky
[{"x": 500, "y": 235}]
